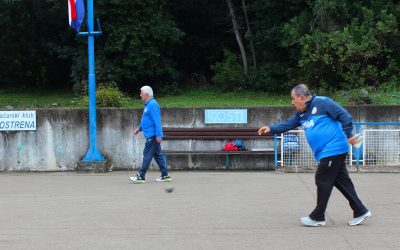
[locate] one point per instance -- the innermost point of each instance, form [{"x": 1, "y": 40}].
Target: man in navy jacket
[
  {"x": 329, "y": 130},
  {"x": 151, "y": 127}
]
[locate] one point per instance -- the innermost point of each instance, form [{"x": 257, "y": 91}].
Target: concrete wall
[{"x": 62, "y": 138}]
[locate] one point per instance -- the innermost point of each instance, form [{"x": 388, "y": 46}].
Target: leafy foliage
[
  {"x": 107, "y": 95},
  {"x": 228, "y": 73},
  {"x": 136, "y": 46},
  {"x": 32, "y": 48},
  {"x": 348, "y": 45},
  {"x": 177, "y": 44}
]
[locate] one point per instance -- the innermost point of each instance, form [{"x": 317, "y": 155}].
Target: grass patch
[
  {"x": 209, "y": 98},
  {"x": 378, "y": 98},
  {"x": 199, "y": 98},
  {"x": 27, "y": 100}
]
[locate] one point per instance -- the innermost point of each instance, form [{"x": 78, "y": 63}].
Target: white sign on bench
[{"x": 218, "y": 116}]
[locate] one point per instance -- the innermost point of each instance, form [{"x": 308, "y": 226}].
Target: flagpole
[{"x": 93, "y": 154}]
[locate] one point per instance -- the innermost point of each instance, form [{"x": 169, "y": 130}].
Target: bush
[
  {"x": 107, "y": 95},
  {"x": 363, "y": 53},
  {"x": 229, "y": 74},
  {"x": 170, "y": 89},
  {"x": 359, "y": 96}
]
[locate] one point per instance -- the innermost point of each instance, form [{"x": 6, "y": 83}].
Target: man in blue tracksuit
[
  {"x": 152, "y": 130},
  {"x": 329, "y": 130}
]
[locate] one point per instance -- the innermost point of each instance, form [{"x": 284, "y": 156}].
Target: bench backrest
[{"x": 213, "y": 134}]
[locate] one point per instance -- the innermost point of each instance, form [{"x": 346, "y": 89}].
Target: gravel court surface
[{"x": 206, "y": 210}]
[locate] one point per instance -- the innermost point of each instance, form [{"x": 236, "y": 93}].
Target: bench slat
[
  {"x": 167, "y": 129},
  {"x": 213, "y": 134},
  {"x": 221, "y": 152},
  {"x": 217, "y": 137},
  {"x": 210, "y": 133}
]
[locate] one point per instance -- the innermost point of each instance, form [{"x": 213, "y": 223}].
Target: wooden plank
[
  {"x": 211, "y": 133},
  {"x": 217, "y": 152},
  {"x": 217, "y": 137},
  {"x": 167, "y": 129}
]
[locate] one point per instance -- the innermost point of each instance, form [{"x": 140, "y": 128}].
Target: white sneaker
[
  {"x": 356, "y": 221},
  {"x": 137, "y": 179},
  {"x": 307, "y": 221}
]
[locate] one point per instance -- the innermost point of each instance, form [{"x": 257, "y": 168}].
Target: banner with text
[
  {"x": 225, "y": 116},
  {"x": 17, "y": 120}
]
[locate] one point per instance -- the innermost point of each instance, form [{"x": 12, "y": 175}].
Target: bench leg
[
  {"x": 166, "y": 160},
  {"x": 227, "y": 162}
]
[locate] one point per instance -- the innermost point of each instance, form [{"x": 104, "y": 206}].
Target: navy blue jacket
[
  {"x": 327, "y": 126},
  {"x": 151, "y": 120}
]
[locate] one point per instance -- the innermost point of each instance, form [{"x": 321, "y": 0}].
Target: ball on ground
[{"x": 169, "y": 188}]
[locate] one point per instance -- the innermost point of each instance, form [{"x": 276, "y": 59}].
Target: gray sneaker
[
  {"x": 307, "y": 221},
  {"x": 356, "y": 221}
]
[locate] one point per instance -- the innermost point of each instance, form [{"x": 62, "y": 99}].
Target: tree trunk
[
  {"x": 237, "y": 35},
  {"x": 250, "y": 35}
]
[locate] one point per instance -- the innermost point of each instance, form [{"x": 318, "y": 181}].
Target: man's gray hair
[
  {"x": 301, "y": 89},
  {"x": 148, "y": 90}
]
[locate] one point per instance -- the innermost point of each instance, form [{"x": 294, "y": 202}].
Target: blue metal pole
[
  {"x": 275, "y": 151},
  {"x": 358, "y": 149},
  {"x": 93, "y": 153}
]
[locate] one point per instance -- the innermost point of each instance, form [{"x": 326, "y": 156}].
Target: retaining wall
[{"x": 62, "y": 138}]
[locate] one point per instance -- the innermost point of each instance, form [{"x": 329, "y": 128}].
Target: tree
[
  {"x": 250, "y": 35},
  {"x": 204, "y": 23},
  {"x": 173, "y": 44},
  {"x": 236, "y": 31},
  {"x": 136, "y": 46},
  {"x": 349, "y": 45},
  {"x": 33, "y": 44}
]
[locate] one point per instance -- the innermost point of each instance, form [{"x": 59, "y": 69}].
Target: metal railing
[{"x": 381, "y": 146}]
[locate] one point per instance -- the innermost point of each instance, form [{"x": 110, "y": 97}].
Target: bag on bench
[
  {"x": 237, "y": 145},
  {"x": 230, "y": 147},
  {"x": 240, "y": 145}
]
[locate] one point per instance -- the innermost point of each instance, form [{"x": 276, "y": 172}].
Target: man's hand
[
  {"x": 159, "y": 140},
  {"x": 353, "y": 140},
  {"x": 136, "y": 131},
  {"x": 264, "y": 130}
]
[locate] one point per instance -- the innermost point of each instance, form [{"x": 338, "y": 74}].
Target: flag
[{"x": 76, "y": 13}]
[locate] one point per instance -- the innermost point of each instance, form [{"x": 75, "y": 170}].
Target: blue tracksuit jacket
[
  {"x": 327, "y": 126},
  {"x": 151, "y": 120}
]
